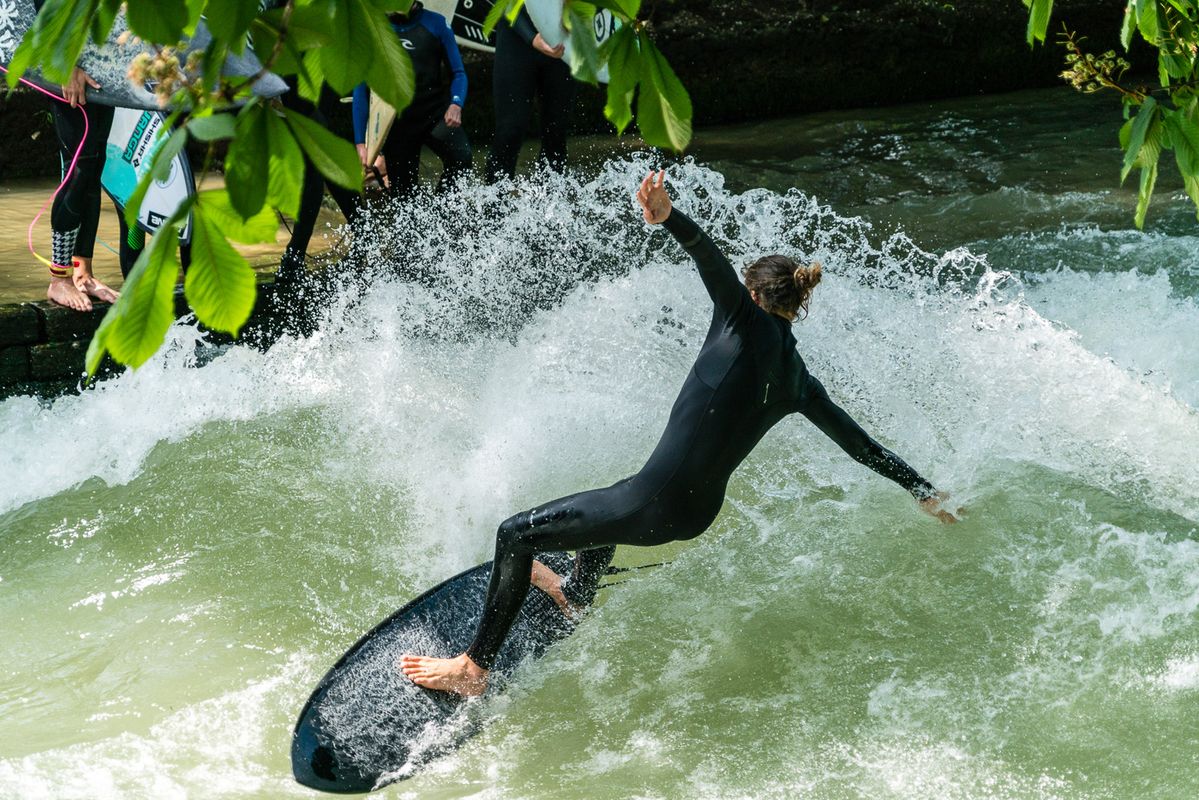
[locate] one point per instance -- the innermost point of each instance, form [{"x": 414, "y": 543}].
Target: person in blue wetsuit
[
  {"x": 434, "y": 118},
  {"x": 748, "y": 376}
]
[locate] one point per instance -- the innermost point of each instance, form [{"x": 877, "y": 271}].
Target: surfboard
[
  {"x": 547, "y": 18},
  {"x": 132, "y": 142},
  {"x": 366, "y": 725},
  {"x": 108, "y": 64},
  {"x": 378, "y": 125},
  {"x": 466, "y": 18}
]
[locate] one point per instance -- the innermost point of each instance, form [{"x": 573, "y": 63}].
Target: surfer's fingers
[{"x": 91, "y": 81}]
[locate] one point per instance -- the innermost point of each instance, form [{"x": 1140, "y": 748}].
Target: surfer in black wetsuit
[
  {"x": 526, "y": 66},
  {"x": 748, "y": 376}
]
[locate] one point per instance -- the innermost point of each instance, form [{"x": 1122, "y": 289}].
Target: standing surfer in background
[
  {"x": 525, "y": 66},
  {"x": 72, "y": 283},
  {"x": 748, "y": 376},
  {"x": 434, "y": 118}
]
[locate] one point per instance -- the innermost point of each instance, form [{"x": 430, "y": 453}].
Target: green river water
[{"x": 186, "y": 549}]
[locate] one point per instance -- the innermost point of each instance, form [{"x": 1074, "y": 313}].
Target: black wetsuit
[
  {"x": 748, "y": 376},
  {"x": 522, "y": 72},
  {"x": 78, "y": 204}
]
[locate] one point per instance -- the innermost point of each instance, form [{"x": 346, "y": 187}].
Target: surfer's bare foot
[
  {"x": 550, "y": 582},
  {"x": 459, "y": 675},
  {"x": 88, "y": 284},
  {"x": 62, "y": 292}
]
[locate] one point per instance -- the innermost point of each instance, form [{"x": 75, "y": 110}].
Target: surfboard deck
[
  {"x": 547, "y": 19},
  {"x": 378, "y": 124},
  {"x": 109, "y": 64},
  {"x": 132, "y": 142},
  {"x": 366, "y": 725}
]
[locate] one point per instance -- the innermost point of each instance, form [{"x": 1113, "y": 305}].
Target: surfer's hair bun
[{"x": 782, "y": 286}]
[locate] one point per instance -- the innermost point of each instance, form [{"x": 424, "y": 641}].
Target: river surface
[{"x": 186, "y": 549}]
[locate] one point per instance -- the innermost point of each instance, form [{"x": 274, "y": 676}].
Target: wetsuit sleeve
[
  {"x": 837, "y": 425},
  {"x": 362, "y": 110},
  {"x": 454, "y": 58},
  {"x": 524, "y": 27},
  {"x": 717, "y": 273}
]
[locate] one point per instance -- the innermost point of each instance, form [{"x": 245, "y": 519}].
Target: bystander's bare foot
[
  {"x": 459, "y": 675},
  {"x": 62, "y": 292},
  {"x": 90, "y": 285}
]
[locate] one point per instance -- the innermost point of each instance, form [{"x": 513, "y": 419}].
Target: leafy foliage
[
  {"x": 1165, "y": 117},
  {"x": 339, "y": 43}
]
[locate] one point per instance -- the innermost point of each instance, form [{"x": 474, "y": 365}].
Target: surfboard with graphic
[
  {"x": 132, "y": 142},
  {"x": 108, "y": 64},
  {"x": 547, "y": 18},
  {"x": 466, "y": 18}
]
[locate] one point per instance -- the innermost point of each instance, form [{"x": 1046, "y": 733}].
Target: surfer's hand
[
  {"x": 544, "y": 47},
  {"x": 75, "y": 89},
  {"x": 453, "y": 116},
  {"x": 362, "y": 157},
  {"x": 935, "y": 507},
  {"x": 655, "y": 203}
]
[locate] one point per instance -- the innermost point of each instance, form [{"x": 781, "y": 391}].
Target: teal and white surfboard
[{"x": 131, "y": 146}]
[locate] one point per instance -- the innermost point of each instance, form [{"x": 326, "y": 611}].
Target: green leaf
[
  {"x": 663, "y": 106},
  {"x": 1184, "y": 138},
  {"x": 1148, "y": 180},
  {"x": 336, "y": 158},
  {"x": 211, "y": 128},
  {"x": 585, "y": 54},
  {"x": 389, "y": 69},
  {"x": 160, "y": 21},
  {"x": 146, "y": 307},
  {"x": 1140, "y": 125},
  {"x": 166, "y": 153},
  {"x": 55, "y": 40},
  {"x": 247, "y": 165},
  {"x": 1039, "y": 12},
  {"x": 262, "y": 227},
  {"x": 106, "y": 15},
  {"x": 345, "y": 60},
  {"x": 1130, "y": 24},
  {"x": 286, "y": 168},
  {"x": 1148, "y": 21},
  {"x": 624, "y": 68},
  {"x": 502, "y": 8},
  {"x": 312, "y": 77},
  {"x": 230, "y": 19},
  {"x": 220, "y": 285}
]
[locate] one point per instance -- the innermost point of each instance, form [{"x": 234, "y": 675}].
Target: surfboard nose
[{"x": 316, "y": 765}]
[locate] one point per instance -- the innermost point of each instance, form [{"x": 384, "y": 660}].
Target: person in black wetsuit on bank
[
  {"x": 434, "y": 118},
  {"x": 748, "y": 376},
  {"x": 525, "y": 65}
]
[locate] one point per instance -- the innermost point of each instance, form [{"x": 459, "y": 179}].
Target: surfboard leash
[{"x": 55, "y": 269}]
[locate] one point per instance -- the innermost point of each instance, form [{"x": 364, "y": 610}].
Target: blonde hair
[{"x": 782, "y": 286}]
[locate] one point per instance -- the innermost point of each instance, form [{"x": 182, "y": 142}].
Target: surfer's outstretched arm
[
  {"x": 836, "y": 424},
  {"x": 719, "y": 277}
]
